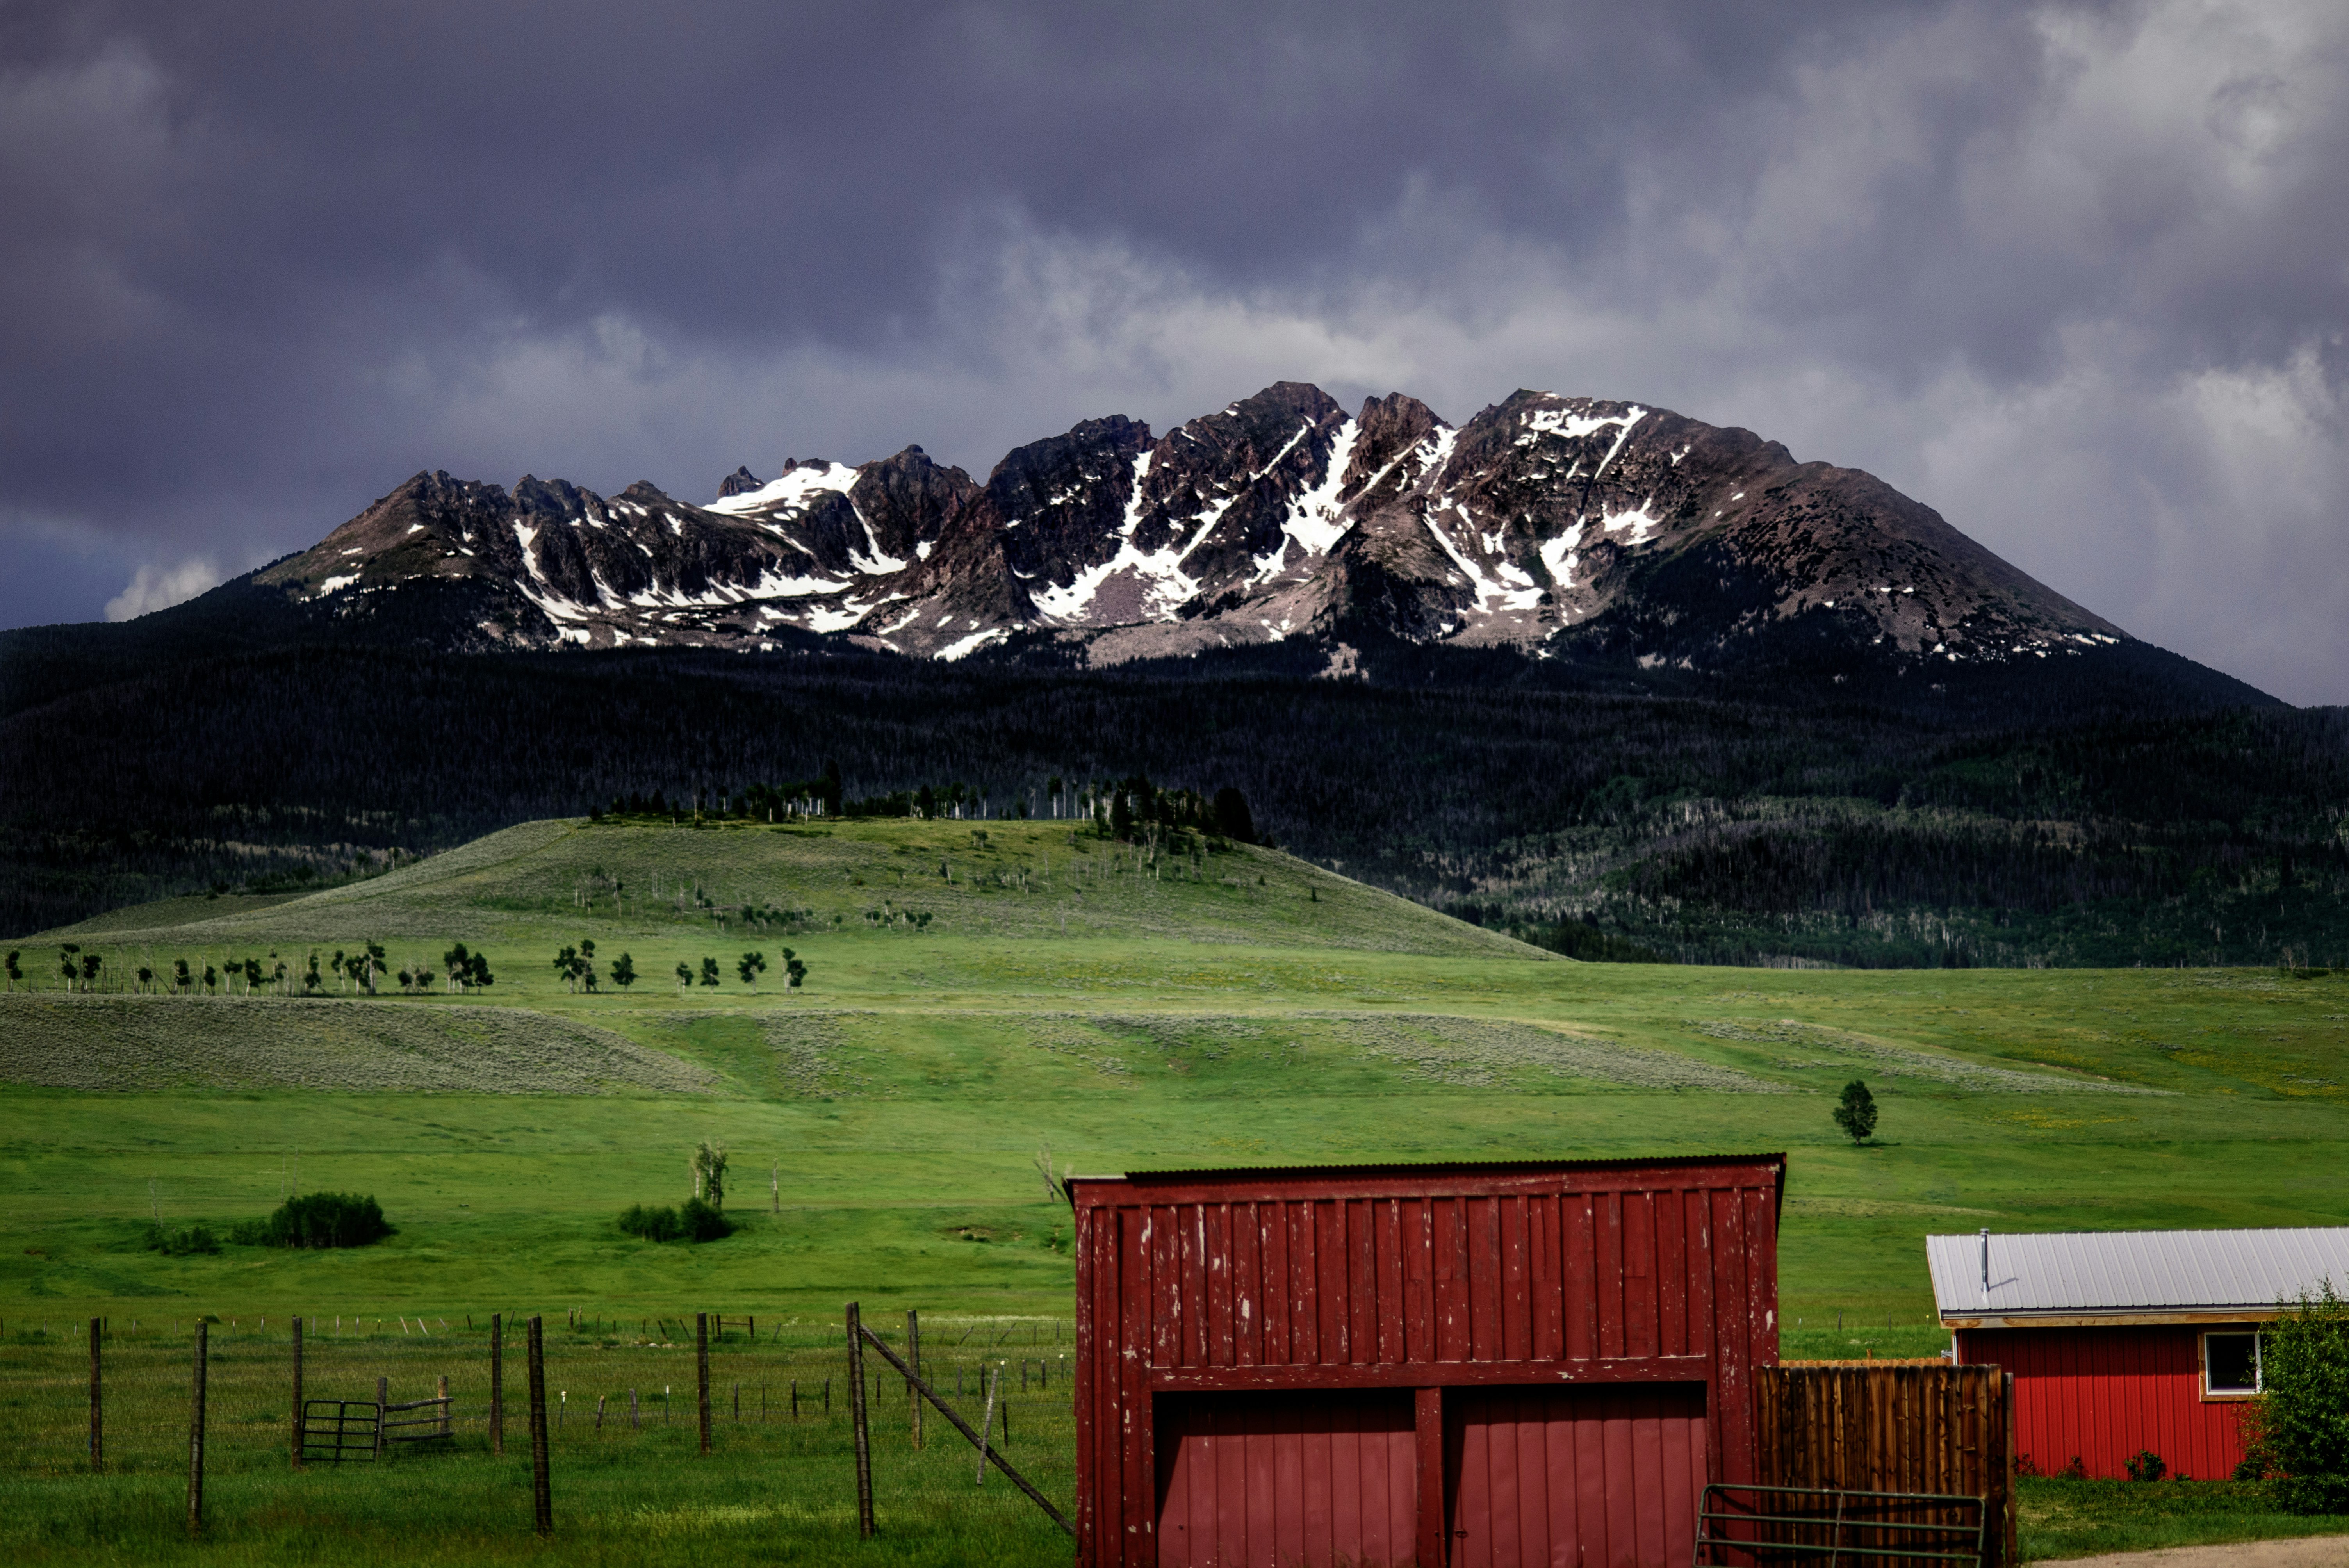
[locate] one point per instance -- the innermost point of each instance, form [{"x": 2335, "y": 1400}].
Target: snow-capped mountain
[{"x": 1548, "y": 523}]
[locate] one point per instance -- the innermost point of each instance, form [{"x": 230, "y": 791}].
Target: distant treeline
[{"x": 1689, "y": 819}]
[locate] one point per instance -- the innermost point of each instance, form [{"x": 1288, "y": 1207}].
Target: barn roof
[
  {"x": 1423, "y": 1169},
  {"x": 2134, "y": 1276}
]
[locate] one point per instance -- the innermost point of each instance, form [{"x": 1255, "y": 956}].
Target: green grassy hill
[
  {"x": 1243, "y": 1007},
  {"x": 876, "y": 878},
  {"x": 885, "y": 1120}
]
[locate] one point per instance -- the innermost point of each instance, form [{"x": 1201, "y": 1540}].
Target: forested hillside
[{"x": 2106, "y": 820}]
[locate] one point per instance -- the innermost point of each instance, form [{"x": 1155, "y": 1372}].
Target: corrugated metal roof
[
  {"x": 2135, "y": 1271},
  {"x": 1440, "y": 1167}
]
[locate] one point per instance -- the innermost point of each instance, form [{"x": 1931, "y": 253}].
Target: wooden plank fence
[{"x": 1893, "y": 1427}]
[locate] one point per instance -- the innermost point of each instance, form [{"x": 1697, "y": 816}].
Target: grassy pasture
[{"x": 1247, "y": 1008}]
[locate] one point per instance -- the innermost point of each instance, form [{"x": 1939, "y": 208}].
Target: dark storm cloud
[{"x": 2072, "y": 274}]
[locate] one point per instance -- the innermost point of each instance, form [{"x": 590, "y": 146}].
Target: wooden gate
[{"x": 1873, "y": 1426}]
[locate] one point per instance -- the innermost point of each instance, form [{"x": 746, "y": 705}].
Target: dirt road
[{"x": 2309, "y": 1552}]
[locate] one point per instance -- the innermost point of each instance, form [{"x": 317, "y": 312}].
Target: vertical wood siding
[
  {"x": 1892, "y": 1428},
  {"x": 1263, "y": 1480},
  {"x": 1454, "y": 1279},
  {"x": 1602, "y": 1478},
  {"x": 2102, "y": 1394}
]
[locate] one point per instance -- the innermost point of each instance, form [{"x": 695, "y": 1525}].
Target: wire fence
[{"x": 612, "y": 1382}]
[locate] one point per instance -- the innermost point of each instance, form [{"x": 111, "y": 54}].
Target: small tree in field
[
  {"x": 684, "y": 976},
  {"x": 624, "y": 971},
  {"x": 709, "y": 972},
  {"x": 14, "y": 974},
  {"x": 750, "y": 967},
  {"x": 1856, "y": 1112},
  {"x": 795, "y": 970},
  {"x": 707, "y": 1164}
]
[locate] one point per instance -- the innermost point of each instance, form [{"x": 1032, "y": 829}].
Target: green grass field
[{"x": 884, "y": 1120}]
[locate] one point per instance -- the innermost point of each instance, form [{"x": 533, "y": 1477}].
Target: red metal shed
[
  {"x": 2127, "y": 1341},
  {"x": 1468, "y": 1364}
]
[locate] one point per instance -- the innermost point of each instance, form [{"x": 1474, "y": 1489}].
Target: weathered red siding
[
  {"x": 2104, "y": 1394},
  {"x": 1601, "y": 1477},
  {"x": 1328, "y": 1476},
  {"x": 1491, "y": 1296}
]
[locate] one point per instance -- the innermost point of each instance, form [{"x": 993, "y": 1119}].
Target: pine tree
[{"x": 1856, "y": 1112}]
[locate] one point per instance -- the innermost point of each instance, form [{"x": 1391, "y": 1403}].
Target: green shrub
[
  {"x": 2303, "y": 1421},
  {"x": 693, "y": 1220},
  {"x": 185, "y": 1242},
  {"x": 317, "y": 1220},
  {"x": 654, "y": 1224}
]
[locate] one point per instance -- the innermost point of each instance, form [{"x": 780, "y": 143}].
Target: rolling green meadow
[{"x": 976, "y": 994}]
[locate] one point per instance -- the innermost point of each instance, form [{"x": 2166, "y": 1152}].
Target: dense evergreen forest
[{"x": 2114, "y": 816}]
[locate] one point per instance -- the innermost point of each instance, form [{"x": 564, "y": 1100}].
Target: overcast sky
[{"x": 2076, "y": 276}]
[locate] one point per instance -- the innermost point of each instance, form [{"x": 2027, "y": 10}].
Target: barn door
[
  {"x": 1573, "y": 1477},
  {"x": 1304, "y": 1480}
]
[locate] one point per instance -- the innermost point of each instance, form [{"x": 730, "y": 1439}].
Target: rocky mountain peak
[{"x": 1604, "y": 528}]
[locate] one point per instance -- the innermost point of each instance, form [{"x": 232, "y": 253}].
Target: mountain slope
[{"x": 1547, "y": 524}]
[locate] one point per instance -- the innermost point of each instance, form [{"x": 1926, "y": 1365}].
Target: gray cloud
[{"x": 2074, "y": 275}]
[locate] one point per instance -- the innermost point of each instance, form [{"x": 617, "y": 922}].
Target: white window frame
[{"x": 2259, "y": 1369}]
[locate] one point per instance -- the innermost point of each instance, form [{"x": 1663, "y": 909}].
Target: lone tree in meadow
[
  {"x": 709, "y": 972},
  {"x": 1856, "y": 1112},
  {"x": 684, "y": 975},
  {"x": 794, "y": 971},
  {"x": 750, "y": 967},
  {"x": 15, "y": 972},
  {"x": 707, "y": 1164},
  {"x": 624, "y": 971}
]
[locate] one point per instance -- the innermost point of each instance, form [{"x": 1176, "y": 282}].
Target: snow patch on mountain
[{"x": 795, "y": 491}]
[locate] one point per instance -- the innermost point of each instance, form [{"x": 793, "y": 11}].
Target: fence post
[
  {"x": 196, "y": 1433},
  {"x": 542, "y": 1493},
  {"x": 382, "y": 1410},
  {"x": 987, "y": 1421},
  {"x": 295, "y": 1436},
  {"x": 914, "y": 1359},
  {"x": 97, "y": 1405},
  {"x": 497, "y": 1382},
  {"x": 2009, "y": 1555},
  {"x": 701, "y": 1373},
  {"x": 444, "y": 1403},
  {"x": 856, "y": 1420}
]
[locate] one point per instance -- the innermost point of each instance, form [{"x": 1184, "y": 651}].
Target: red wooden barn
[
  {"x": 2127, "y": 1341},
  {"x": 1470, "y": 1364}
]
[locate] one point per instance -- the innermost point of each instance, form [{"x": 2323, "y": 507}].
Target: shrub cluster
[
  {"x": 184, "y": 1242},
  {"x": 2298, "y": 1433},
  {"x": 693, "y": 1220},
  {"x": 317, "y": 1220}
]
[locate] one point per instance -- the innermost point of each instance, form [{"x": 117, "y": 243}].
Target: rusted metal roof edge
[
  {"x": 2119, "y": 1317},
  {"x": 1444, "y": 1167}
]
